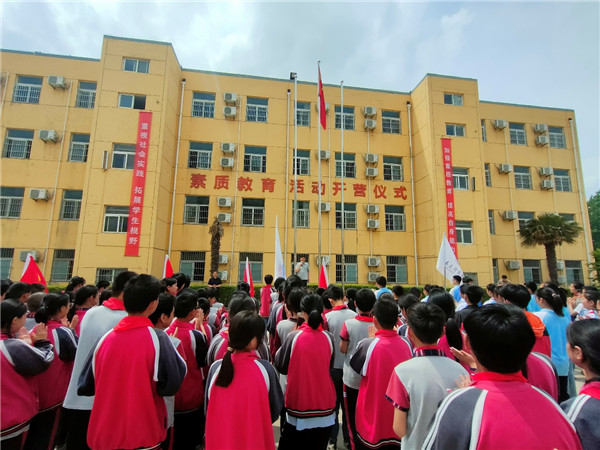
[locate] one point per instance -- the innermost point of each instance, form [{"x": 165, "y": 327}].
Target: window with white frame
[
  {"x": 253, "y": 212},
  {"x": 532, "y": 270},
  {"x": 491, "y": 221},
  {"x": 136, "y": 65},
  {"x": 255, "y": 159},
  {"x": 302, "y": 217},
  {"x": 132, "y": 101},
  {"x": 397, "y": 271},
  {"x": 257, "y": 109},
  {"x": 349, "y": 216},
  {"x": 86, "y": 95},
  {"x": 255, "y": 261},
  {"x": 464, "y": 232},
  {"x": 517, "y": 133},
  {"x": 562, "y": 180},
  {"x": 483, "y": 131},
  {"x": 71, "y": 205},
  {"x": 453, "y": 129},
  {"x": 17, "y": 144},
  {"x": 557, "y": 137},
  {"x": 395, "y": 220},
  {"x": 348, "y": 269},
  {"x": 27, "y": 89},
  {"x": 460, "y": 178},
  {"x": 522, "y": 177},
  {"x": 524, "y": 217},
  {"x": 193, "y": 264},
  {"x": 453, "y": 99},
  {"x": 196, "y": 210},
  {"x": 301, "y": 162},
  {"x": 203, "y": 105},
  {"x": 488, "y": 175},
  {"x": 348, "y": 116},
  {"x": 11, "y": 200},
  {"x": 392, "y": 168},
  {"x": 574, "y": 272},
  {"x": 6, "y": 257},
  {"x": 78, "y": 149},
  {"x": 115, "y": 219},
  {"x": 390, "y": 122},
  {"x": 347, "y": 164},
  {"x": 303, "y": 114},
  {"x": 200, "y": 155},
  {"x": 569, "y": 217},
  {"x": 123, "y": 156},
  {"x": 62, "y": 264},
  {"x": 108, "y": 273}
]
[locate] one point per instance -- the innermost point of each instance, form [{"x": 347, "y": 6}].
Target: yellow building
[{"x": 223, "y": 145}]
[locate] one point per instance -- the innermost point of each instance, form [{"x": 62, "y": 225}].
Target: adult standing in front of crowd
[{"x": 302, "y": 270}]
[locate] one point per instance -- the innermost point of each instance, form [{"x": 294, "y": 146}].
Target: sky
[{"x": 534, "y": 53}]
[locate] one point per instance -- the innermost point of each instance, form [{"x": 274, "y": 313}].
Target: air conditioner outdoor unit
[
  {"x": 541, "y": 128},
  {"x": 57, "y": 82},
  {"x": 371, "y": 172},
  {"x": 325, "y": 260},
  {"x": 370, "y": 124},
  {"x": 500, "y": 124},
  {"x": 230, "y": 98},
  {"x": 224, "y": 202},
  {"x": 373, "y": 261},
  {"x": 229, "y": 111},
  {"x": 223, "y": 259},
  {"x": 325, "y": 206},
  {"x": 547, "y": 184},
  {"x": 505, "y": 168},
  {"x": 224, "y": 217},
  {"x": 371, "y": 158},
  {"x": 48, "y": 135},
  {"x": 542, "y": 140},
  {"x": 546, "y": 171},
  {"x": 372, "y": 276},
  {"x": 223, "y": 275},
  {"x": 227, "y": 147},
  {"x": 226, "y": 162},
  {"x": 24, "y": 253},
  {"x": 370, "y": 111},
  {"x": 372, "y": 209},
  {"x": 372, "y": 223},
  {"x": 561, "y": 279},
  {"x": 510, "y": 215},
  {"x": 324, "y": 155},
  {"x": 513, "y": 264},
  {"x": 560, "y": 265},
  {"x": 39, "y": 194},
  {"x": 326, "y": 106}
]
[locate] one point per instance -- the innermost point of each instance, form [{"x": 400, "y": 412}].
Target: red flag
[
  {"x": 248, "y": 278},
  {"x": 32, "y": 273},
  {"x": 323, "y": 278},
  {"x": 168, "y": 269},
  {"x": 322, "y": 110}
]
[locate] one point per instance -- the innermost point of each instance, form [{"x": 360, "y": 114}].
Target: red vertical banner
[
  {"x": 138, "y": 182},
  {"x": 449, "y": 189}
]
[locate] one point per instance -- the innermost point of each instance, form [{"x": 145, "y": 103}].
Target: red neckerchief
[
  {"x": 306, "y": 326},
  {"x": 386, "y": 333},
  {"x": 131, "y": 322},
  {"x": 364, "y": 318},
  {"x": 495, "y": 376},
  {"x": 114, "y": 303},
  {"x": 429, "y": 350},
  {"x": 591, "y": 388},
  {"x": 337, "y": 308}
]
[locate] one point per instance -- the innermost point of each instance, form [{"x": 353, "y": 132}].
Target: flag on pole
[
  {"x": 248, "y": 277},
  {"x": 322, "y": 110},
  {"x": 323, "y": 278},
  {"x": 32, "y": 273},
  {"x": 167, "y": 269},
  {"x": 447, "y": 264},
  {"x": 279, "y": 266}
]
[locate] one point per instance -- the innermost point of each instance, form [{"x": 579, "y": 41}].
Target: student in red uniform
[
  {"x": 86, "y": 297},
  {"x": 132, "y": 368},
  {"x": 306, "y": 357},
  {"x": 265, "y": 298},
  {"x": 278, "y": 311},
  {"x": 243, "y": 396}
]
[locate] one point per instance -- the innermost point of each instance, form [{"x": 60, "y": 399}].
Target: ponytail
[
  {"x": 51, "y": 305},
  {"x": 453, "y": 334},
  {"x": 225, "y": 376},
  {"x": 315, "y": 319},
  {"x": 42, "y": 316},
  {"x": 553, "y": 299},
  {"x": 312, "y": 305}
]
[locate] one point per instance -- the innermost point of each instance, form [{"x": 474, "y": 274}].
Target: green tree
[
  {"x": 549, "y": 230},
  {"x": 216, "y": 232},
  {"x": 594, "y": 213}
]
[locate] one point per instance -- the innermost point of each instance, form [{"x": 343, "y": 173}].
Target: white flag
[
  {"x": 279, "y": 266},
  {"x": 447, "y": 264}
]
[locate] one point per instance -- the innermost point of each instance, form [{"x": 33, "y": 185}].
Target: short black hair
[
  {"x": 75, "y": 281},
  {"x": 268, "y": 279},
  {"x": 398, "y": 290},
  {"x": 183, "y": 280},
  {"x": 104, "y": 295},
  {"x": 491, "y": 287},
  {"x": 166, "y": 302},
  {"x": 139, "y": 292},
  {"x": 240, "y": 301},
  {"x": 103, "y": 284},
  {"x": 120, "y": 281},
  {"x": 5, "y": 284},
  {"x": 500, "y": 336},
  {"x": 204, "y": 305},
  {"x": 457, "y": 278},
  {"x": 531, "y": 286},
  {"x": 381, "y": 281},
  {"x": 415, "y": 291},
  {"x": 85, "y": 292},
  {"x": 37, "y": 287},
  {"x": 406, "y": 301},
  {"x": 445, "y": 301},
  {"x": 335, "y": 292},
  {"x": 474, "y": 294},
  {"x": 292, "y": 301},
  {"x": 9, "y": 309},
  {"x": 427, "y": 322},
  {"x": 16, "y": 290},
  {"x": 578, "y": 286},
  {"x": 185, "y": 303},
  {"x": 211, "y": 293},
  {"x": 467, "y": 280},
  {"x": 243, "y": 286},
  {"x": 517, "y": 294},
  {"x": 592, "y": 296},
  {"x": 169, "y": 281},
  {"x": 365, "y": 299},
  {"x": 386, "y": 313},
  {"x": 463, "y": 288}
]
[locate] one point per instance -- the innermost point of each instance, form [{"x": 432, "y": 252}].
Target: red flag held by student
[
  {"x": 322, "y": 110},
  {"x": 32, "y": 273},
  {"x": 248, "y": 278},
  {"x": 168, "y": 269},
  {"x": 323, "y": 278}
]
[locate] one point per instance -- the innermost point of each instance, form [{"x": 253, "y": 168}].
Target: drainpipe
[
  {"x": 176, "y": 169},
  {"x": 412, "y": 191}
]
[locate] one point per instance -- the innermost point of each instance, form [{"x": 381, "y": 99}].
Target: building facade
[{"x": 222, "y": 145}]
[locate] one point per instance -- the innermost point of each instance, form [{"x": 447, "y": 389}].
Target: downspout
[
  {"x": 235, "y": 197},
  {"x": 176, "y": 169},
  {"x": 412, "y": 191},
  {"x": 4, "y": 91},
  {"x": 287, "y": 180}
]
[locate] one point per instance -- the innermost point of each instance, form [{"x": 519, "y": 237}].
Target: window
[
  {"x": 108, "y": 274},
  {"x": 390, "y": 122},
  {"x": 11, "y": 199},
  {"x": 255, "y": 159},
  {"x": 569, "y": 217},
  {"x": 115, "y": 219},
  {"x": 302, "y": 162},
  {"x": 394, "y": 218},
  {"x": 196, "y": 210},
  {"x": 522, "y": 177},
  {"x": 348, "y": 117},
  {"x": 303, "y": 114},
  {"x": 253, "y": 212},
  {"x": 453, "y": 99},
  {"x": 492, "y": 222},
  {"x": 255, "y": 261},
  {"x": 349, "y": 268},
  {"x": 17, "y": 144},
  {"x": 193, "y": 265},
  {"x": 71, "y": 205},
  {"x": 557, "y": 137},
  {"x": 62, "y": 265},
  {"x": 453, "y": 129},
  {"x": 302, "y": 218},
  {"x": 78, "y": 149},
  {"x": 203, "y": 105},
  {"x": 27, "y": 89},
  {"x": 473, "y": 276},
  {"x": 464, "y": 232},
  {"x": 461, "y": 179},
  {"x": 483, "y": 131},
  {"x": 86, "y": 95},
  {"x": 488, "y": 175},
  {"x": 6, "y": 257},
  {"x": 517, "y": 133},
  {"x": 256, "y": 109},
  {"x": 348, "y": 165},
  {"x": 136, "y": 65},
  {"x": 132, "y": 101},
  {"x": 123, "y": 156},
  {"x": 392, "y": 168},
  {"x": 532, "y": 270},
  {"x": 349, "y": 216},
  {"x": 524, "y": 217},
  {"x": 562, "y": 181},
  {"x": 574, "y": 272},
  {"x": 200, "y": 155},
  {"x": 396, "y": 269},
  {"x": 495, "y": 270}
]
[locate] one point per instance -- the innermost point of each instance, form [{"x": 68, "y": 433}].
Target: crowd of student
[{"x": 157, "y": 365}]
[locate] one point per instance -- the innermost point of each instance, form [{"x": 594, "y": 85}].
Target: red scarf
[{"x": 114, "y": 303}]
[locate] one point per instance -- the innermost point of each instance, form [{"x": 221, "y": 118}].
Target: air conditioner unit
[
  {"x": 505, "y": 168},
  {"x": 326, "y": 106},
  {"x": 105, "y": 160},
  {"x": 230, "y": 98},
  {"x": 510, "y": 215},
  {"x": 513, "y": 264},
  {"x": 500, "y": 124},
  {"x": 372, "y": 223},
  {"x": 229, "y": 111},
  {"x": 224, "y": 217},
  {"x": 370, "y": 124},
  {"x": 57, "y": 82},
  {"x": 372, "y": 261},
  {"x": 226, "y": 162},
  {"x": 372, "y": 276},
  {"x": 224, "y": 202},
  {"x": 39, "y": 194},
  {"x": 223, "y": 259},
  {"x": 561, "y": 279},
  {"x": 372, "y": 209},
  {"x": 546, "y": 171},
  {"x": 24, "y": 253},
  {"x": 324, "y": 155},
  {"x": 371, "y": 158},
  {"x": 560, "y": 265},
  {"x": 325, "y": 259},
  {"x": 223, "y": 275},
  {"x": 325, "y": 206},
  {"x": 48, "y": 135},
  {"x": 371, "y": 172},
  {"x": 542, "y": 140},
  {"x": 227, "y": 147},
  {"x": 547, "y": 184},
  {"x": 370, "y": 111},
  {"x": 541, "y": 128}
]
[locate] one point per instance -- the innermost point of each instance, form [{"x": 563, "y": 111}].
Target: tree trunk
[
  {"x": 551, "y": 261},
  {"x": 216, "y": 232}
]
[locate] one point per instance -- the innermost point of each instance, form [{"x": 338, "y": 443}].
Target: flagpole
[
  {"x": 343, "y": 124},
  {"x": 319, "y": 158},
  {"x": 294, "y": 76}
]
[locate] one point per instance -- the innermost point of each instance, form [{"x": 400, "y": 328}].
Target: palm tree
[
  {"x": 216, "y": 232},
  {"x": 549, "y": 230}
]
